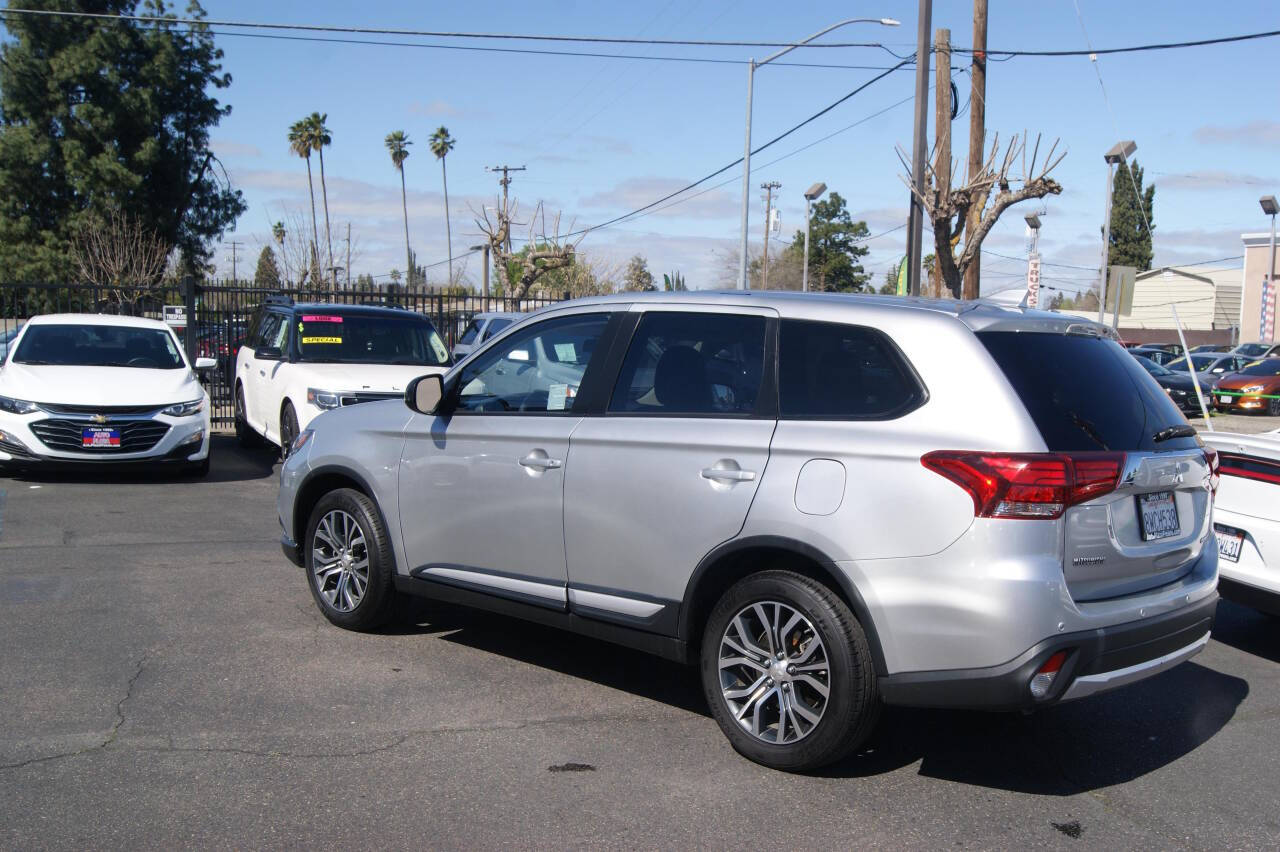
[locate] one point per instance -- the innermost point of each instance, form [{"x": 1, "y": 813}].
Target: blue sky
[{"x": 603, "y": 136}]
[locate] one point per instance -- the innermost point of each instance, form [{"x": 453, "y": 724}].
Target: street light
[
  {"x": 1119, "y": 153},
  {"x": 1269, "y": 207},
  {"x": 810, "y": 194},
  {"x": 746, "y": 154}
]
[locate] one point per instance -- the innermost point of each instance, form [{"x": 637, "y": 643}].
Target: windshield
[
  {"x": 1202, "y": 362},
  {"x": 99, "y": 346},
  {"x": 1269, "y": 367},
  {"x": 370, "y": 339},
  {"x": 1152, "y": 367},
  {"x": 1252, "y": 350},
  {"x": 1085, "y": 393}
]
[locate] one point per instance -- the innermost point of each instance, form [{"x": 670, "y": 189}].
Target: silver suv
[{"x": 829, "y": 503}]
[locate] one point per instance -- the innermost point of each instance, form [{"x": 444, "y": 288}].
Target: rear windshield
[
  {"x": 1085, "y": 393},
  {"x": 92, "y": 345},
  {"x": 369, "y": 339}
]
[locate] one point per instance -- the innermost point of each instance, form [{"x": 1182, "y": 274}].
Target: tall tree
[
  {"x": 300, "y": 144},
  {"x": 441, "y": 144},
  {"x": 99, "y": 117},
  {"x": 320, "y": 138},
  {"x": 835, "y": 251},
  {"x": 1130, "y": 243},
  {"x": 278, "y": 234},
  {"x": 267, "y": 275},
  {"x": 638, "y": 277},
  {"x": 398, "y": 146}
]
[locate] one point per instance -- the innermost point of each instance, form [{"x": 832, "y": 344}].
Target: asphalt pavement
[{"x": 167, "y": 682}]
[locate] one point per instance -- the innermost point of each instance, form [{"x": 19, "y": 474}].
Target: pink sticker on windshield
[{"x": 320, "y": 318}]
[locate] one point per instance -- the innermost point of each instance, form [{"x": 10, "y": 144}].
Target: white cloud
[
  {"x": 1256, "y": 133},
  {"x": 230, "y": 148}
]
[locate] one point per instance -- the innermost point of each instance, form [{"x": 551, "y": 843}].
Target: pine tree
[
  {"x": 267, "y": 275},
  {"x": 638, "y": 277},
  {"x": 1130, "y": 243}
]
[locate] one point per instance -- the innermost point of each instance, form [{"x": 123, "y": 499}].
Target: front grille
[
  {"x": 58, "y": 408},
  {"x": 367, "y": 396},
  {"x": 136, "y": 436}
]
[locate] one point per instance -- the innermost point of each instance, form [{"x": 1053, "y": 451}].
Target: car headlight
[
  {"x": 323, "y": 399},
  {"x": 17, "y": 406},
  {"x": 185, "y": 409},
  {"x": 301, "y": 441}
]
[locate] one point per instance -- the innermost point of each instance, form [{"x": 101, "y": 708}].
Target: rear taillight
[
  {"x": 1027, "y": 485},
  {"x": 1043, "y": 679},
  {"x": 1211, "y": 456}
]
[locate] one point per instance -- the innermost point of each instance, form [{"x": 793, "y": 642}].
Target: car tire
[
  {"x": 244, "y": 432},
  {"x": 288, "y": 429},
  {"x": 355, "y": 593},
  {"x": 816, "y": 730},
  {"x": 1273, "y": 407}
]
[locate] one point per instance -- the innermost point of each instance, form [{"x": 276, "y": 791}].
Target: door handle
[
  {"x": 728, "y": 475},
  {"x": 540, "y": 462}
]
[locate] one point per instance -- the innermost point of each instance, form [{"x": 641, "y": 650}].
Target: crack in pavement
[
  {"x": 396, "y": 743},
  {"x": 111, "y": 735}
]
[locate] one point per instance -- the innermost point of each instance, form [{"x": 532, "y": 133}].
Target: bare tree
[
  {"x": 948, "y": 207},
  {"x": 120, "y": 253},
  {"x": 543, "y": 252}
]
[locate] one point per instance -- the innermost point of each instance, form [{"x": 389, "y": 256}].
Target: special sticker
[{"x": 306, "y": 340}]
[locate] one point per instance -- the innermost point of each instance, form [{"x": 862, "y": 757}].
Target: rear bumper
[{"x": 1097, "y": 660}]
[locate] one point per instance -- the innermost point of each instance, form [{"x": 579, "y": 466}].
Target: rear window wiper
[{"x": 1185, "y": 430}]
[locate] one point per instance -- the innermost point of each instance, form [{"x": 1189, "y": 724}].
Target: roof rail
[{"x": 278, "y": 299}]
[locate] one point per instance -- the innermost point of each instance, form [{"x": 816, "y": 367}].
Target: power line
[{"x": 1140, "y": 48}]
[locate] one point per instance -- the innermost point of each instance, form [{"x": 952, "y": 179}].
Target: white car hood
[
  {"x": 385, "y": 378},
  {"x": 98, "y": 385}
]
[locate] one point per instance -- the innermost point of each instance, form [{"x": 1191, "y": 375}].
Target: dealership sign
[{"x": 1033, "y": 281}]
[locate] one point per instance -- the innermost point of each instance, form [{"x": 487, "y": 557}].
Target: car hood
[
  {"x": 384, "y": 378},
  {"x": 1182, "y": 382},
  {"x": 1236, "y": 381},
  {"x": 98, "y": 385}
]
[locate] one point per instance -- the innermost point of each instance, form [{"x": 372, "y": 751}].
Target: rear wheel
[
  {"x": 349, "y": 561},
  {"x": 288, "y": 429},
  {"x": 787, "y": 672},
  {"x": 244, "y": 432}
]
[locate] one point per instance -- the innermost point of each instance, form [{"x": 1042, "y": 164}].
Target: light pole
[
  {"x": 810, "y": 195},
  {"x": 1032, "y": 299},
  {"x": 1119, "y": 153},
  {"x": 1269, "y": 207},
  {"x": 752, "y": 65},
  {"x": 485, "y": 290}
]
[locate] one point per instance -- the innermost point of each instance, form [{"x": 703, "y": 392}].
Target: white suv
[{"x": 301, "y": 359}]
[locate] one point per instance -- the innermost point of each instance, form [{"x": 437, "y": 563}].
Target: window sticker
[
  {"x": 320, "y": 318},
  {"x": 557, "y": 396},
  {"x": 321, "y": 340},
  {"x": 564, "y": 352}
]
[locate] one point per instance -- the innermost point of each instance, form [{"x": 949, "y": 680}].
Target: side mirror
[
  {"x": 424, "y": 393},
  {"x": 206, "y": 364}
]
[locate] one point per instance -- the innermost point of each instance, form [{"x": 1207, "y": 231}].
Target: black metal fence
[{"x": 222, "y": 315}]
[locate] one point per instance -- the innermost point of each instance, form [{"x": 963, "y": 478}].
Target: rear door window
[
  {"x": 846, "y": 372},
  {"x": 1085, "y": 393},
  {"x": 692, "y": 364}
]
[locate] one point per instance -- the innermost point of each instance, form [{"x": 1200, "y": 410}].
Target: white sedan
[
  {"x": 1246, "y": 517},
  {"x": 96, "y": 389}
]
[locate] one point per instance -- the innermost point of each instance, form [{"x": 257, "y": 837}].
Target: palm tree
[
  {"x": 318, "y": 136},
  {"x": 300, "y": 144},
  {"x": 398, "y": 145},
  {"x": 441, "y": 144},
  {"x": 277, "y": 233}
]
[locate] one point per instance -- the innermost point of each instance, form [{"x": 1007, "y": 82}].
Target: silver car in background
[
  {"x": 483, "y": 326},
  {"x": 827, "y": 502}
]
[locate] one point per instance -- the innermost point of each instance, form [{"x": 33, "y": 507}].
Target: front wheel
[
  {"x": 288, "y": 429},
  {"x": 1273, "y": 406},
  {"x": 787, "y": 672},
  {"x": 349, "y": 561}
]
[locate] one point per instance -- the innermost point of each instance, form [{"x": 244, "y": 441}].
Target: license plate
[
  {"x": 95, "y": 437},
  {"x": 1225, "y": 400},
  {"x": 1159, "y": 515},
  {"x": 1229, "y": 542}
]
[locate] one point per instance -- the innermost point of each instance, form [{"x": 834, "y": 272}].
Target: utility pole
[
  {"x": 919, "y": 153},
  {"x": 977, "y": 136},
  {"x": 942, "y": 136},
  {"x": 348, "y": 255},
  {"x": 234, "y": 247},
  {"x": 768, "y": 187},
  {"x": 505, "y": 182}
]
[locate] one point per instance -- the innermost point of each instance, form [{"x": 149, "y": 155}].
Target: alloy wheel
[
  {"x": 340, "y": 560},
  {"x": 775, "y": 676}
]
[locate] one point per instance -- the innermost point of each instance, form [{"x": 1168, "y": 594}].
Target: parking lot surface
[{"x": 168, "y": 682}]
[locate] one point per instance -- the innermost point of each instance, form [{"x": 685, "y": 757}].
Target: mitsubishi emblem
[{"x": 100, "y": 418}]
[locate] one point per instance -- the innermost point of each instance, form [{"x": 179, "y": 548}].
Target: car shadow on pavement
[
  {"x": 610, "y": 665},
  {"x": 229, "y": 462},
  {"x": 1248, "y": 630},
  {"x": 1060, "y": 751}
]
